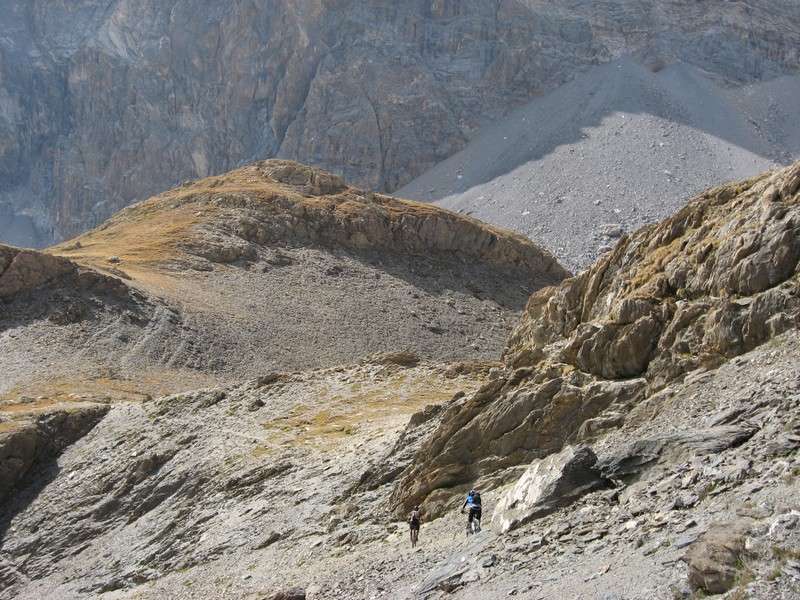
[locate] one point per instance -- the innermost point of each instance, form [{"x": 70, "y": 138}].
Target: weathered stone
[
  {"x": 290, "y": 594},
  {"x": 547, "y": 485},
  {"x": 640, "y": 455},
  {"x": 690, "y": 292},
  {"x": 26, "y": 442},
  {"x": 269, "y": 78},
  {"x": 25, "y": 270},
  {"x": 715, "y": 558}
]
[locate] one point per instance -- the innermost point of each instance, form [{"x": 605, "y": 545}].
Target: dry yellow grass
[
  {"x": 99, "y": 388},
  {"x": 369, "y": 405},
  {"x": 149, "y": 234}
]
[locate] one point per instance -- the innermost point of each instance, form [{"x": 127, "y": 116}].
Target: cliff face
[
  {"x": 713, "y": 282},
  {"x": 102, "y": 103}
]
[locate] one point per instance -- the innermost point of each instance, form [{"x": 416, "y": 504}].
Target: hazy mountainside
[
  {"x": 618, "y": 148},
  {"x": 639, "y": 440},
  {"x": 273, "y": 266},
  {"x": 103, "y": 103}
]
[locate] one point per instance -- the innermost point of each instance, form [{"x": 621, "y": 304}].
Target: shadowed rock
[
  {"x": 39, "y": 436},
  {"x": 674, "y": 447}
]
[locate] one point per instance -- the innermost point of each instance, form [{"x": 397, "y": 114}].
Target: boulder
[
  {"x": 549, "y": 484},
  {"x": 714, "y": 559}
]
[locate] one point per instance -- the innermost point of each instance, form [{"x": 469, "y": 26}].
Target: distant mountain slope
[
  {"x": 273, "y": 266},
  {"x": 105, "y": 102},
  {"x": 621, "y": 146}
]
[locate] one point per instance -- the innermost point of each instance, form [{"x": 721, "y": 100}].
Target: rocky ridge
[
  {"x": 273, "y": 266},
  {"x": 712, "y": 282}
]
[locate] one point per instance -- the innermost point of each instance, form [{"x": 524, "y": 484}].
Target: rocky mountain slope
[
  {"x": 639, "y": 440},
  {"x": 620, "y": 147},
  {"x": 717, "y": 279},
  {"x": 104, "y": 103},
  {"x": 275, "y": 266}
]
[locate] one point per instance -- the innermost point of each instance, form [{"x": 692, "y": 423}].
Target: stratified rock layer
[
  {"x": 38, "y": 437},
  {"x": 714, "y": 281}
]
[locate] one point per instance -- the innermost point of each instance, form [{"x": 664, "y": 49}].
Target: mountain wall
[{"x": 103, "y": 103}]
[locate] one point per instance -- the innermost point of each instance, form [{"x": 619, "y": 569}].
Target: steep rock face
[
  {"x": 714, "y": 281},
  {"x": 103, "y": 103}
]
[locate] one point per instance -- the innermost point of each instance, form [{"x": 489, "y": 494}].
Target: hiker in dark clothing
[{"x": 414, "y": 523}]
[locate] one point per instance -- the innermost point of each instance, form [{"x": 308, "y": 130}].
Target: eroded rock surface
[
  {"x": 715, "y": 559},
  {"x": 549, "y": 484},
  {"x": 275, "y": 266},
  {"x": 714, "y": 281},
  {"x": 38, "y": 436},
  {"x": 293, "y": 480}
]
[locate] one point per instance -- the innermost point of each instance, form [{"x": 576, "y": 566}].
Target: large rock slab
[
  {"x": 630, "y": 461},
  {"x": 549, "y": 484}
]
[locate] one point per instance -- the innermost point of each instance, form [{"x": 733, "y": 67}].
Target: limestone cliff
[
  {"x": 103, "y": 103},
  {"x": 714, "y": 281}
]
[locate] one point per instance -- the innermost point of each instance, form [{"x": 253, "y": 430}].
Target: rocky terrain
[
  {"x": 620, "y": 147},
  {"x": 639, "y": 438},
  {"x": 717, "y": 279},
  {"x": 275, "y": 266},
  {"x": 103, "y": 103}
]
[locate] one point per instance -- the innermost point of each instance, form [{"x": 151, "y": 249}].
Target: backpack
[{"x": 476, "y": 500}]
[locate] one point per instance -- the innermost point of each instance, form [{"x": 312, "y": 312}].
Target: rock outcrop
[
  {"x": 25, "y": 270},
  {"x": 714, "y": 281},
  {"x": 33, "y": 438},
  {"x": 281, "y": 480},
  {"x": 227, "y": 218},
  {"x": 715, "y": 560},
  {"x": 272, "y": 267},
  {"x": 547, "y": 485},
  {"x": 130, "y": 98}
]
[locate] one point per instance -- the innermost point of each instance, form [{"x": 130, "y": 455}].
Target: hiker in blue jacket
[{"x": 473, "y": 505}]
